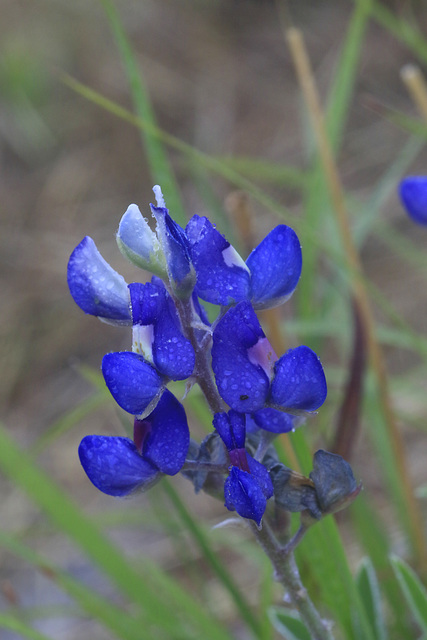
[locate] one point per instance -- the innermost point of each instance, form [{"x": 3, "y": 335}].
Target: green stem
[{"x": 286, "y": 572}]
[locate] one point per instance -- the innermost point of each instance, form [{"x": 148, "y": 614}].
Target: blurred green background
[{"x": 220, "y": 78}]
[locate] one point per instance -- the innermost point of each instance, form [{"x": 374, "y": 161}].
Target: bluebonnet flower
[
  {"x": 172, "y": 339},
  {"x": 249, "y": 375},
  {"x": 119, "y": 466},
  {"x": 413, "y": 194},
  {"x": 248, "y": 486},
  {"x": 268, "y": 278}
]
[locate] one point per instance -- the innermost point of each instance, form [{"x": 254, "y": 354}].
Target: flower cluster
[{"x": 253, "y": 394}]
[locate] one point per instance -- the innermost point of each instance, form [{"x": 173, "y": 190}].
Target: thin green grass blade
[
  {"x": 159, "y": 166},
  {"x": 379, "y": 435},
  {"x": 11, "y": 623},
  {"x": 288, "y": 624},
  {"x": 317, "y": 199},
  {"x": 213, "y": 560},
  {"x": 414, "y": 591},
  {"x": 66, "y": 422},
  {"x": 149, "y": 590},
  {"x": 266, "y": 172},
  {"x": 369, "y": 592},
  {"x": 401, "y": 29},
  {"x": 371, "y": 533},
  {"x": 329, "y": 572},
  {"x": 104, "y": 611}
]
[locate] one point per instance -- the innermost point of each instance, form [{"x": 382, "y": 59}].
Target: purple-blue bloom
[
  {"x": 134, "y": 384},
  {"x": 413, "y": 194},
  {"x": 157, "y": 331},
  {"x": 117, "y": 466},
  {"x": 249, "y": 375},
  {"x": 248, "y": 486},
  {"x": 96, "y": 287},
  {"x": 268, "y": 278}
]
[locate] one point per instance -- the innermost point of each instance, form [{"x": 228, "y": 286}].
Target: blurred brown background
[{"x": 221, "y": 78}]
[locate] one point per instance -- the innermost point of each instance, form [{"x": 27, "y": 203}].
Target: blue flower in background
[
  {"x": 413, "y": 194},
  {"x": 119, "y": 466},
  {"x": 249, "y": 375}
]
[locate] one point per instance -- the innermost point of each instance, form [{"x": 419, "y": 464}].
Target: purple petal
[
  {"x": 115, "y": 466},
  {"x": 274, "y": 420},
  {"x": 262, "y": 476},
  {"x": 167, "y": 444},
  {"x": 413, "y": 194},
  {"x": 164, "y": 344},
  {"x": 139, "y": 243},
  {"x": 175, "y": 247},
  {"x": 275, "y": 267},
  {"x": 231, "y": 428},
  {"x": 95, "y": 286},
  {"x": 299, "y": 381},
  {"x": 132, "y": 382},
  {"x": 242, "y": 383},
  {"x": 222, "y": 276},
  {"x": 243, "y": 494}
]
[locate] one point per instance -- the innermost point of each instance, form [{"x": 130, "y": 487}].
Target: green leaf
[
  {"x": 369, "y": 592},
  {"x": 414, "y": 591},
  {"x": 288, "y": 624},
  {"x": 157, "y": 159},
  {"x": 11, "y": 623},
  {"x": 149, "y": 589}
]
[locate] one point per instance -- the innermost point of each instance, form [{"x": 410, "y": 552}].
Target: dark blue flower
[
  {"x": 157, "y": 332},
  {"x": 134, "y": 384},
  {"x": 249, "y": 375},
  {"x": 117, "y": 466},
  {"x": 248, "y": 485},
  {"x": 174, "y": 243},
  {"x": 413, "y": 193},
  {"x": 268, "y": 277},
  {"x": 96, "y": 287}
]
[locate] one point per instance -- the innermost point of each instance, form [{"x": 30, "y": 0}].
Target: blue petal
[
  {"x": 222, "y": 276},
  {"x": 95, "y": 286},
  {"x": 173, "y": 354},
  {"x": 167, "y": 444},
  {"x": 275, "y": 267},
  {"x": 413, "y": 193},
  {"x": 299, "y": 381},
  {"x": 115, "y": 466},
  {"x": 139, "y": 243},
  {"x": 175, "y": 247},
  {"x": 241, "y": 383},
  {"x": 132, "y": 382},
  {"x": 262, "y": 476},
  {"x": 231, "y": 428},
  {"x": 274, "y": 420},
  {"x": 243, "y": 494}
]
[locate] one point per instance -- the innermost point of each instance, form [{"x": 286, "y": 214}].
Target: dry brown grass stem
[{"x": 308, "y": 86}]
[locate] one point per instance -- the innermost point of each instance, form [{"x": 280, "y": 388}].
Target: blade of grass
[
  {"x": 212, "y": 559},
  {"x": 149, "y": 591},
  {"x": 400, "y": 28},
  {"x": 11, "y": 623},
  {"x": 93, "y": 605},
  {"x": 414, "y": 591},
  {"x": 412, "y": 521},
  {"x": 161, "y": 171}
]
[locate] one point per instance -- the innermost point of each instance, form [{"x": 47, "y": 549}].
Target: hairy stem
[
  {"x": 286, "y": 572},
  {"x": 202, "y": 370}
]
